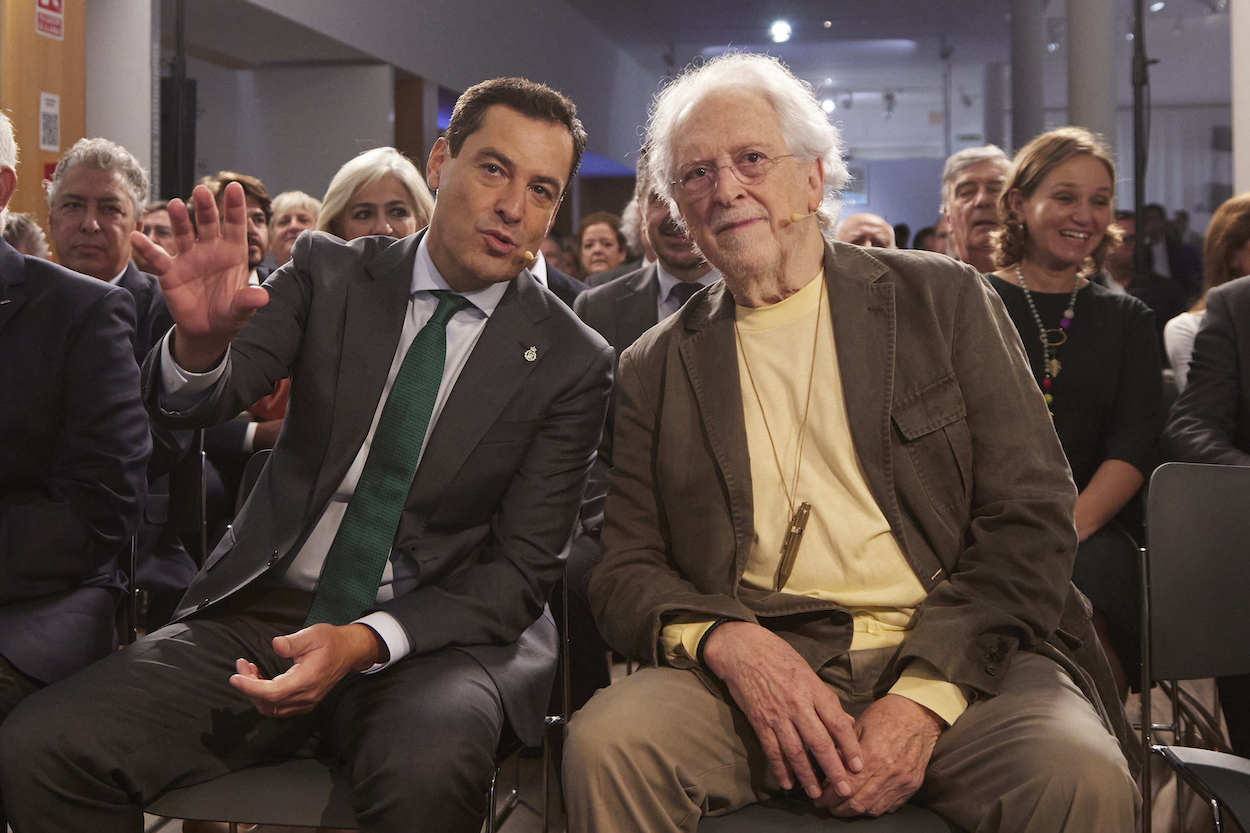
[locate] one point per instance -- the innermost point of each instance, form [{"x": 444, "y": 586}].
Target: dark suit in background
[
  {"x": 600, "y": 278},
  {"x": 566, "y": 287},
  {"x": 478, "y": 547},
  {"x": 165, "y": 568},
  {"x": 1210, "y": 423},
  {"x": 72, "y": 465}
]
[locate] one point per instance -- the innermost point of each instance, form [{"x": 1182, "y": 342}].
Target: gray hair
[
  {"x": 365, "y": 169},
  {"x": 966, "y": 158},
  {"x": 289, "y": 200},
  {"x": 8, "y": 152},
  {"x": 23, "y": 233},
  {"x": 103, "y": 155},
  {"x": 631, "y": 226},
  {"x": 804, "y": 124}
]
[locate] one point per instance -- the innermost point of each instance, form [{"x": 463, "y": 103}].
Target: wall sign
[
  {"x": 50, "y": 18},
  {"x": 50, "y": 122}
]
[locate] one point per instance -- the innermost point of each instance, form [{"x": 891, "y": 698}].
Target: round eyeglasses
[{"x": 749, "y": 167}]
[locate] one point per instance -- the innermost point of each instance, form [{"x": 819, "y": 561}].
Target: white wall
[
  {"x": 119, "y": 69},
  {"x": 460, "y": 42},
  {"x": 293, "y": 127}
]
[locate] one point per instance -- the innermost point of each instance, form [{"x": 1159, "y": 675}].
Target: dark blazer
[
  {"x": 1210, "y": 421},
  {"x": 72, "y": 464},
  {"x": 953, "y": 438},
  {"x": 164, "y": 563},
  {"x": 600, "y": 278},
  {"x": 623, "y": 309},
  {"x": 494, "y": 500},
  {"x": 566, "y": 287}
]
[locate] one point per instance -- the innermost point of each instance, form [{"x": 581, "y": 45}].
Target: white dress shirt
[{"x": 463, "y": 331}]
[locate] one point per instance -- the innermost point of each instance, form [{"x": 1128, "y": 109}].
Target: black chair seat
[
  {"x": 783, "y": 816},
  {"x": 302, "y": 792},
  {"x": 1217, "y": 773}
]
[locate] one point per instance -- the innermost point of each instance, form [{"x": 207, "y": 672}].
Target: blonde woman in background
[{"x": 378, "y": 192}]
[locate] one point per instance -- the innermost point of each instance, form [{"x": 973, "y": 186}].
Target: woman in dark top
[{"x": 1095, "y": 356}]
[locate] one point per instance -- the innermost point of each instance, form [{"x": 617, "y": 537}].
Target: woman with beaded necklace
[{"x": 1096, "y": 359}]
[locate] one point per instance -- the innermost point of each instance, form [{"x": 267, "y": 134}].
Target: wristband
[{"x": 698, "y": 651}]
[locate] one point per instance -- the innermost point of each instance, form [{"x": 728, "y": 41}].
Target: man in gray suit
[{"x": 382, "y": 591}]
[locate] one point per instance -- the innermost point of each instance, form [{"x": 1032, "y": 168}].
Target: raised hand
[
  {"x": 793, "y": 712},
  {"x": 205, "y": 280}
]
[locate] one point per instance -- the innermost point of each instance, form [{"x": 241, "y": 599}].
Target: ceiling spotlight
[
  {"x": 828, "y": 24},
  {"x": 828, "y": 105},
  {"x": 828, "y": 82},
  {"x": 780, "y": 31},
  {"x": 1158, "y": 6},
  {"x": 1052, "y": 47},
  {"x": 1128, "y": 36}
]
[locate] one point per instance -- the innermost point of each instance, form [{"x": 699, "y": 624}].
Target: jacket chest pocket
[{"x": 932, "y": 424}]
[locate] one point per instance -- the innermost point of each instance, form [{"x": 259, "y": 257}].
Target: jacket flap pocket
[{"x": 933, "y": 406}]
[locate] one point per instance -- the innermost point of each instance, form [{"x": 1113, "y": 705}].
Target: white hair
[
  {"x": 966, "y": 158},
  {"x": 804, "y": 124},
  {"x": 8, "y": 153},
  {"x": 631, "y": 226},
  {"x": 103, "y": 155}
]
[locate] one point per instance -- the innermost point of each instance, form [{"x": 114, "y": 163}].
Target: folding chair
[{"x": 1195, "y": 592}]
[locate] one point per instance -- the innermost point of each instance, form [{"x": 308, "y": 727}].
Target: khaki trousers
[{"x": 656, "y": 751}]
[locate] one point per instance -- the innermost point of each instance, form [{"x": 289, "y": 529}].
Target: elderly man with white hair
[
  {"x": 972, "y": 179},
  {"x": 839, "y": 529}
]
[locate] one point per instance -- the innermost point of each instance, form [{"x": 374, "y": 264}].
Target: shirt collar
[
  {"x": 539, "y": 269},
  {"x": 426, "y": 278},
  {"x": 116, "y": 280},
  {"x": 667, "y": 281}
]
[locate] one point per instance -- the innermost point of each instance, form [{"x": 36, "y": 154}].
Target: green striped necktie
[{"x": 349, "y": 580}]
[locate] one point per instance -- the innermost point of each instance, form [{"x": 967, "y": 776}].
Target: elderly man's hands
[
  {"x": 793, "y": 712},
  {"x": 897, "y": 736}
]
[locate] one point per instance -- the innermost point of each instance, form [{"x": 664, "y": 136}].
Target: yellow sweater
[{"x": 848, "y": 554}]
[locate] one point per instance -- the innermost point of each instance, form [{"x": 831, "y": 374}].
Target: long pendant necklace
[
  {"x": 799, "y": 516},
  {"x": 1051, "y": 339}
]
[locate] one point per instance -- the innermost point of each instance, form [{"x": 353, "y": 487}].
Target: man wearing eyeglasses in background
[{"x": 839, "y": 526}]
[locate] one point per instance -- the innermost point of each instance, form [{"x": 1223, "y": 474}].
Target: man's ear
[
  {"x": 439, "y": 154},
  {"x": 8, "y": 184},
  {"x": 816, "y": 183},
  {"x": 1015, "y": 201}
]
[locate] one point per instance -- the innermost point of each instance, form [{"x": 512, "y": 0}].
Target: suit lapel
[
  {"x": 861, "y": 299},
  {"x": 636, "y": 311},
  {"x": 12, "y": 278},
  {"x": 373, "y": 318},
  {"x": 709, "y": 357},
  {"x": 495, "y": 371}
]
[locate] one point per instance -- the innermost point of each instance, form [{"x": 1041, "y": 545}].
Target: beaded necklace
[{"x": 1050, "y": 344}]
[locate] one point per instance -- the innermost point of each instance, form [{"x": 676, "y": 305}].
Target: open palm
[{"x": 205, "y": 280}]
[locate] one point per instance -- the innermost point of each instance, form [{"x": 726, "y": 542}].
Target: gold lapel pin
[{"x": 531, "y": 354}]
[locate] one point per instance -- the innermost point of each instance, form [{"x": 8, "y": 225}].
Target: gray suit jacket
[
  {"x": 952, "y": 436},
  {"x": 622, "y": 309},
  {"x": 494, "y": 500}
]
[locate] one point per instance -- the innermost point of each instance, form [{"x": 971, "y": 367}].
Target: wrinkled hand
[
  {"x": 792, "y": 711},
  {"x": 323, "y": 655},
  {"x": 205, "y": 281},
  {"x": 897, "y": 736}
]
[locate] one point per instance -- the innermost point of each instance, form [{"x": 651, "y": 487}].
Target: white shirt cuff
[
  {"x": 386, "y": 626},
  {"x": 249, "y": 437},
  {"x": 175, "y": 379}
]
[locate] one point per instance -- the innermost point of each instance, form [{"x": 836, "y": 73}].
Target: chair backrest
[{"x": 1197, "y": 571}]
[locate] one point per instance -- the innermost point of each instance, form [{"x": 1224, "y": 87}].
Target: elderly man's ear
[{"x": 8, "y": 184}]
